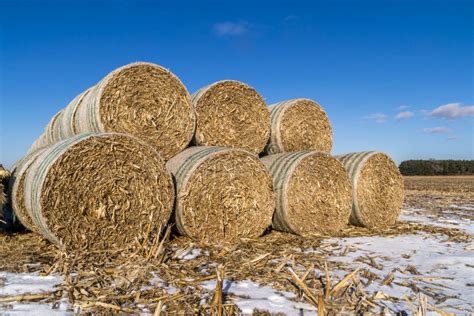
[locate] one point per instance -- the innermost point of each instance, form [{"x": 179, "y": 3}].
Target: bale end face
[
  {"x": 377, "y": 189},
  {"x": 313, "y": 193},
  {"x": 223, "y": 195},
  {"x": 100, "y": 191},
  {"x": 299, "y": 124},
  {"x": 148, "y": 102},
  {"x": 231, "y": 114}
]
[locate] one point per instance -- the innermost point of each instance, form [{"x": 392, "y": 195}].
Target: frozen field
[{"x": 425, "y": 262}]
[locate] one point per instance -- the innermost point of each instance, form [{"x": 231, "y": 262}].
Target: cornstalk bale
[
  {"x": 48, "y": 136},
  {"x": 99, "y": 191},
  {"x": 69, "y": 115},
  {"x": 313, "y": 192},
  {"x": 17, "y": 189},
  {"x": 231, "y": 114},
  {"x": 299, "y": 124},
  {"x": 4, "y": 176},
  {"x": 377, "y": 188},
  {"x": 141, "y": 99},
  {"x": 223, "y": 194}
]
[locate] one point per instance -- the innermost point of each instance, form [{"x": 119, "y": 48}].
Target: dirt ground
[{"x": 423, "y": 263}]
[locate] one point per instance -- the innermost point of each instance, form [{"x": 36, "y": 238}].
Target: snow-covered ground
[
  {"x": 441, "y": 269},
  {"x": 12, "y": 284},
  {"x": 249, "y": 296}
]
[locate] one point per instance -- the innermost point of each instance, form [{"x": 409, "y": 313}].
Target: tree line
[{"x": 436, "y": 167}]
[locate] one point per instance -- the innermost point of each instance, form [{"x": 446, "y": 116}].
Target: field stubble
[{"x": 420, "y": 263}]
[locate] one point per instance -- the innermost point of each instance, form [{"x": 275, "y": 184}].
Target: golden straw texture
[
  {"x": 141, "y": 99},
  {"x": 223, "y": 194},
  {"x": 377, "y": 188},
  {"x": 313, "y": 192},
  {"x": 231, "y": 114},
  {"x": 99, "y": 191},
  {"x": 299, "y": 124}
]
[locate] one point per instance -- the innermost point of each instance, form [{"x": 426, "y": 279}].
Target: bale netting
[
  {"x": 231, "y": 114},
  {"x": 69, "y": 114},
  {"x": 99, "y": 191},
  {"x": 141, "y": 99},
  {"x": 52, "y": 134},
  {"x": 377, "y": 188},
  {"x": 313, "y": 192},
  {"x": 223, "y": 194},
  {"x": 17, "y": 189},
  {"x": 299, "y": 124}
]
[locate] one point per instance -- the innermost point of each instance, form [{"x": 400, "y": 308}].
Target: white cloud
[
  {"x": 377, "y": 117},
  {"x": 403, "y": 107},
  {"x": 404, "y": 115},
  {"x": 453, "y": 138},
  {"x": 453, "y": 111},
  {"x": 229, "y": 28},
  {"x": 436, "y": 130}
]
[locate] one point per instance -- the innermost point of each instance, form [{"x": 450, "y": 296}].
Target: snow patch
[{"x": 250, "y": 296}]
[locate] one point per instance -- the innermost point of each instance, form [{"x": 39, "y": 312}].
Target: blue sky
[{"x": 365, "y": 62}]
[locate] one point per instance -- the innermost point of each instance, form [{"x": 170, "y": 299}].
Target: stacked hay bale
[
  {"x": 4, "y": 176},
  {"x": 91, "y": 181},
  {"x": 377, "y": 188},
  {"x": 95, "y": 191},
  {"x": 313, "y": 192},
  {"x": 141, "y": 99},
  {"x": 223, "y": 194},
  {"x": 231, "y": 114},
  {"x": 299, "y": 124},
  {"x": 17, "y": 189}
]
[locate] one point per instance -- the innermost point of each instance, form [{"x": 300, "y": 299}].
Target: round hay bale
[
  {"x": 4, "y": 176},
  {"x": 37, "y": 144},
  {"x": 49, "y": 136},
  {"x": 299, "y": 124},
  {"x": 313, "y": 192},
  {"x": 231, "y": 114},
  {"x": 141, "y": 99},
  {"x": 377, "y": 187},
  {"x": 69, "y": 115},
  {"x": 223, "y": 194},
  {"x": 17, "y": 189},
  {"x": 99, "y": 191}
]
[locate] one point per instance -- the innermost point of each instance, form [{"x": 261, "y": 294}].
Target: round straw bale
[
  {"x": 223, "y": 194},
  {"x": 99, "y": 191},
  {"x": 69, "y": 115},
  {"x": 299, "y": 124},
  {"x": 231, "y": 114},
  {"x": 53, "y": 131},
  {"x": 4, "y": 176},
  {"x": 49, "y": 136},
  {"x": 313, "y": 192},
  {"x": 17, "y": 189},
  {"x": 141, "y": 99},
  {"x": 377, "y": 188}
]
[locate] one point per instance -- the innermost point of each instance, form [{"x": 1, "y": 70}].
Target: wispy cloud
[
  {"x": 290, "y": 17},
  {"x": 453, "y": 138},
  {"x": 229, "y": 28},
  {"x": 376, "y": 117},
  {"x": 436, "y": 130},
  {"x": 404, "y": 115},
  {"x": 453, "y": 111},
  {"x": 403, "y": 107}
]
